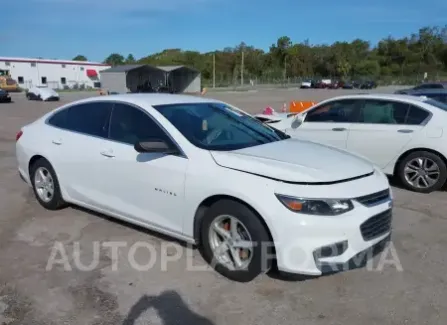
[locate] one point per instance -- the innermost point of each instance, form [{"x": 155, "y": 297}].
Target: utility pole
[
  {"x": 214, "y": 70},
  {"x": 242, "y": 68}
]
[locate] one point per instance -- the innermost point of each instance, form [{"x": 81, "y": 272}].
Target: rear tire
[
  {"x": 46, "y": 185},
  {"x": 235, "y": 263},
  {"x": 422, "y": 172}
]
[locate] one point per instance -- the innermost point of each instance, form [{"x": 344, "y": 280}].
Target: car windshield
[
  {"x": 216, "y": 126},
  {"x": 436, "y": 104}
]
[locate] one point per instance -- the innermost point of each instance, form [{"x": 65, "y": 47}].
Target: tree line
[{"x": 391, "y": 59}]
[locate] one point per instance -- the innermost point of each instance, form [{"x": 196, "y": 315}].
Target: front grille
[
  {"x": 376, "y": 226},
  {"x": 375, "y": 198}
]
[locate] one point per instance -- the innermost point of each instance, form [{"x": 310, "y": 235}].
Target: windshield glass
[
  {"x": 216, "y": 126},
  {"x": 436, "y": 104}
]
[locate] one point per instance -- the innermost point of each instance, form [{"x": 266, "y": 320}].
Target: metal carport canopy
[
  {"x": 124, "y": 68},
  {"x": 130, "y": 67},
  {"x": 170, "y": 68}
]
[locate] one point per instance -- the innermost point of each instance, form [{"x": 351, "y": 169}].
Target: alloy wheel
[
  {"x": 230, "y": 242},
  {"x": 422, "y": 172},
  {"x": 43, "y": 182}
]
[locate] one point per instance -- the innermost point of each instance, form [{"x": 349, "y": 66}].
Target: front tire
[
  {"x": 422, "y": 172},
  {"x": 46, "y": 185},
  {"x": 235, "y": 242}
]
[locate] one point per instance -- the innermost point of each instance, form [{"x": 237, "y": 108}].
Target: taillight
[{"x": 18, "y": 135}]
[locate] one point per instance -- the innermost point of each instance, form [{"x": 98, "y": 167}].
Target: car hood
[
  {"x": 297, "y": 161},
  {"x": 404, "y": 91}
]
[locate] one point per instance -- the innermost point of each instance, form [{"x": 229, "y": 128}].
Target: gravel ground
[{"x": 111, "y": 292}]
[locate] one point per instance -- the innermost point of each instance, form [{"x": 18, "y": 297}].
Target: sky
[{"x": 62, "y": 29}]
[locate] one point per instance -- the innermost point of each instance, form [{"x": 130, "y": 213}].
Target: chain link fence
[
  {"x": 290, "y": 82},
  {"x": 59, "y": 85}
]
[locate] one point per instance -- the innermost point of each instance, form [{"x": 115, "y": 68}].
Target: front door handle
[
  {"x": 339, "y": 129},
  {"x": 405, "y": 131},
  {"x": 107, "y": 153},
  {"x": 57, "y": 142}
]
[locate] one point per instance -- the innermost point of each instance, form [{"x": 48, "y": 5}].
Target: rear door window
[
  {"x": 59, "y": 119},
  {"x": 375, "y": 111}
]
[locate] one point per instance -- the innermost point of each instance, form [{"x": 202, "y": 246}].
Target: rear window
[
  {"x": 436, "y": 104},
  {"x": 59, "y": 119}
]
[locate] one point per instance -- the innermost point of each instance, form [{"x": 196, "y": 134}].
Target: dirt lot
[{"x": 114, "y": 293}]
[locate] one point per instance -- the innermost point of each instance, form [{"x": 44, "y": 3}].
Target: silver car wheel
[
  {"x": 422, "y": 172},
  {"x": 230, "y": 242},
  {"x": 44, "y": 184}
]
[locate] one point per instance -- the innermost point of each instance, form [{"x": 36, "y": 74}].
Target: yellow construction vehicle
[{"x": 6, "y": 82}]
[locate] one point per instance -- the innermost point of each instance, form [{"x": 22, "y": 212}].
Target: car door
[
  {"x": 147, "y": 187},
  {"x": 76, "y": 141},
  {"x": 328, "y": 123},
  {"x": 383, "y": 129}
]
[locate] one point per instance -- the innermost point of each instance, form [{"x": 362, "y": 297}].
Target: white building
[{"x": 56, "y": 74}]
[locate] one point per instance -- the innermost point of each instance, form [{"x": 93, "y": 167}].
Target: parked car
[
  {"x": 437, "y": 94},
  {"x": 206, "y": 172},
  {"x": 322, "y": 84},
  {"x": 347, "y": 85},
  {"x": 335, "y": 84},
  {"x": 4, "y": 96},
  {"x": 42, "y": 93},
  {"x": 367, "y": 85},
  {"x": 401, "y": 134},
  {"x": 306, "y": 84},
  {"x": 423, "y": 86}
]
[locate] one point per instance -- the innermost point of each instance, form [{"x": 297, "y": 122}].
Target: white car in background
[
  {"x": 208, "y": 173},
  {"x": 42, "y": 93},
  {"x": 404, "y": 135},
  {"x": 306, "y": 84}
]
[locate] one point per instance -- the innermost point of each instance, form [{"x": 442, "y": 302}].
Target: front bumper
[
  {"x": 315, "y": 245},
  {"x": 5, "y": 99},
  {"x": 310, "y": 245}
]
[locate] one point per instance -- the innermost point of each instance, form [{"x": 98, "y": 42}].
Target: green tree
[
  {"x": 130, "y": 59},
  {"x": 114, "y": 59},
  {"x": 390, "y": 59},
  {"x": 79, "y": 58}
]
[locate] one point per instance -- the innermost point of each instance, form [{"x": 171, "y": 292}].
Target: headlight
[{"x": 321, "y": 207}]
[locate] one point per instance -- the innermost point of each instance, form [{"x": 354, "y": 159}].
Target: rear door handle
[
  {"x": 339, "y": 129},
  {"x": 57, "y": 141},
  {"x": 107, "y": 153},
  {"x": 405, "y": 131}
]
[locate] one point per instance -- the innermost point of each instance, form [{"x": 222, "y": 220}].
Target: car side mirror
[
  {"x": 154, "y": 146},
  {"x": 297, "y": 121}
]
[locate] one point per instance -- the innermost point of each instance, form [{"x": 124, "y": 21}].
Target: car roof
[
  {"x": 428, "y": 91},
  {"x": 153, "y": 99},
  {"x": 407, "y": 98}
]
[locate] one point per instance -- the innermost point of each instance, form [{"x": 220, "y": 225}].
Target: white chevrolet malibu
[{"x": 206, "y": 172}]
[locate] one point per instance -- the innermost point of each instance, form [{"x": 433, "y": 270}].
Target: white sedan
[
  {"x": 42, "y": 93},
  {"x": 208, "y": 173},
  {"x": 404, "y": 135}
]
